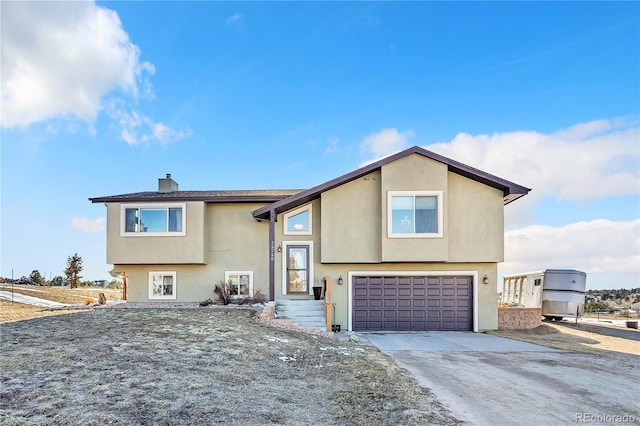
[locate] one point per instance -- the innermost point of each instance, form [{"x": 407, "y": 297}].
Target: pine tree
[{"x": 74, "y": 267}]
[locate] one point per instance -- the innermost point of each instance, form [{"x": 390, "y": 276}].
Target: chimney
[{"x": 167, "y": 184}]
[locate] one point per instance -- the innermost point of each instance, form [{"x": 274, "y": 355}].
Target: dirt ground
[
  {"x": 583, "y": 338},
  {"x": 204, "y": 365}
]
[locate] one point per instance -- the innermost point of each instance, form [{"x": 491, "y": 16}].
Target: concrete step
[
  {"x": 304, "y": 312},
  {"x": 299, "y": 302},
  {"x": 316, "y": 324},
  {"x": 301, "y": 311}
]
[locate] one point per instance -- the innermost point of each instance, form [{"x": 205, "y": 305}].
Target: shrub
[
  {"x": 223, "y": 291},
  {"x": 258, "y": 297}
]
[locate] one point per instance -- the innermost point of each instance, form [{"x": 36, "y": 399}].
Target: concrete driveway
[{"x": 490, "y": 380}]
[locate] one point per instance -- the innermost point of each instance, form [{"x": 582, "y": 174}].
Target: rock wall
[{"x": 519, "y": 318}]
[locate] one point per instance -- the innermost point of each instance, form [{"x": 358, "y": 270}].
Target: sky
[{"x": 104, "y": 98}]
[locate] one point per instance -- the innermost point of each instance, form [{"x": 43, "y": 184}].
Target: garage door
[{"x": 405, "y": 303}]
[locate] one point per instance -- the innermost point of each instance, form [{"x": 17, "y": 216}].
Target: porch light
[
  {"x": 340, "y": 280},
  {"x": 485, "y": 280}
]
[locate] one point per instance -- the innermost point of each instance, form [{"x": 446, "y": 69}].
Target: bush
[
  {"x": 223, "y": 291},
  {"x": 258, "y": 297}
]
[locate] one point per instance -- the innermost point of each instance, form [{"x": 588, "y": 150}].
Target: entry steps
[{"x": 303, "y": 312}]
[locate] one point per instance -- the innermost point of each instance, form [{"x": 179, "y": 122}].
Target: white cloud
[
  {"x": 89, "y": 226},
  {"x": 584, "y": 162},
  {"x": 234, "y": 20},
  {"x": 596, "y": 247},
  {"x": 135, "y": 127},
  {"x": 385, "y": 142},
  {"x": 60, "y": 60},
  {"x": 332, "y": 145}
]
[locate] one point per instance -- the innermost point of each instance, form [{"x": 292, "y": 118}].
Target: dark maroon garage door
[{"x": 399, "y": 303}]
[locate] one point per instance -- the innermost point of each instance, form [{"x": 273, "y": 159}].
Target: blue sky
[{"x": 104, "y": 98}]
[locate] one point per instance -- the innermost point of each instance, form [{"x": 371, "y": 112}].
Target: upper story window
[
  {"x": 298, "y": 221},
  {"x": 415, "y": 214},
  {"x": 153, "y": 219}
]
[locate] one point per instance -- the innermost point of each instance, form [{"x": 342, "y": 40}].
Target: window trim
[
  {"x": 227, "y": 274},
  {"x": 167, "y": 206},
  {"x": 296, "y": 212},
  {"x": 172, "y": 274},
  {"x": 439, "y": 202}
]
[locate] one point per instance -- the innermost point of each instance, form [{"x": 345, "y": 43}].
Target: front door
[{"x": 297, "y": 269}]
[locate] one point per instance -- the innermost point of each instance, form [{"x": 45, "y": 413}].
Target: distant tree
[
  {"x": 596, "y": 305},
  {"x": 57, "y": 280},
  {"x": 73, "y": 269},
  {"x": 36, "y": 277}
]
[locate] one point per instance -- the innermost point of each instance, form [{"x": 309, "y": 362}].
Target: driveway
[{"x": 490, "y": 380}]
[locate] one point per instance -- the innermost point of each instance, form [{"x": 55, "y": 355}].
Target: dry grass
[
  {"x": 63, "y": 294},
  {"x": 11, "y": 312},
  {"x": 197, "y": 366},
  {"x": 581, "y": 338}
]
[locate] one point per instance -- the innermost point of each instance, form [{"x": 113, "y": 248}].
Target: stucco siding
[
  {"x": 350, "y": 230},
  {"x": 413, "y": 173},
  {"x": 476, "y": 221},
  {"x": 140, "y": 249},
  {"x": 281, "y": 240},
  {"x": 487, "y": 306},
  {"x": 237, "y": 242}
]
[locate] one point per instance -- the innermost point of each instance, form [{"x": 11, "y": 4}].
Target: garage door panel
[{"x": 402, "y": 303}]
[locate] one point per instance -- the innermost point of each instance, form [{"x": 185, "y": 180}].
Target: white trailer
[{"x": 559, "y": 292}]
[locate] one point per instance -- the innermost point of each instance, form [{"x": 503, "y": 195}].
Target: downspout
[{"x": 272, "y": 255}]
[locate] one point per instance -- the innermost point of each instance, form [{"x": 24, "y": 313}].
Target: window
[
  {"x": 241, "y": 283},
  {"x": 415, "y": 214},
  {"x": 298, "y": 222},
  {"x": 162, "y": 285},
  {"x": 153, "y": 219}
]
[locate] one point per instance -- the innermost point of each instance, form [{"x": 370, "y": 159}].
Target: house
[{"x": 410, "y": 242}]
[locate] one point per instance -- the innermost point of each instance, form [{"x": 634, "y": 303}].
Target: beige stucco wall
[
  {"x": 476, "y": 221},
  {"x": 413, "y": 173},
  {"x": 139, "y": 249},
  {"x": 350, "y": 230},
  {"x": 487, "y": 294},
  {"x": 234, "y": 242},
  {"x": 281, "y": 240}
]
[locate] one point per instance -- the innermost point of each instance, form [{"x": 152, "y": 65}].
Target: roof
[
  {"x": 227, "y": 196},
  {"x": 280, "y": 200},
  {"x": 511, "y": 191}
]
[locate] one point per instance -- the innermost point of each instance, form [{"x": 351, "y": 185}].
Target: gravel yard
[{"x": 197, "y": 366}]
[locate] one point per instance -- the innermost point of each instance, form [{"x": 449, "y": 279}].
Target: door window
[{"x": 298, "y": 269}]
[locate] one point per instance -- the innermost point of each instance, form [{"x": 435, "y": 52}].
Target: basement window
[
  {"x": 241, "y": 283},
  {"x": 162, "y": 285}
]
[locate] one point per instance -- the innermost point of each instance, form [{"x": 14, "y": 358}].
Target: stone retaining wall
[{"x": 519, "y": 318}]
